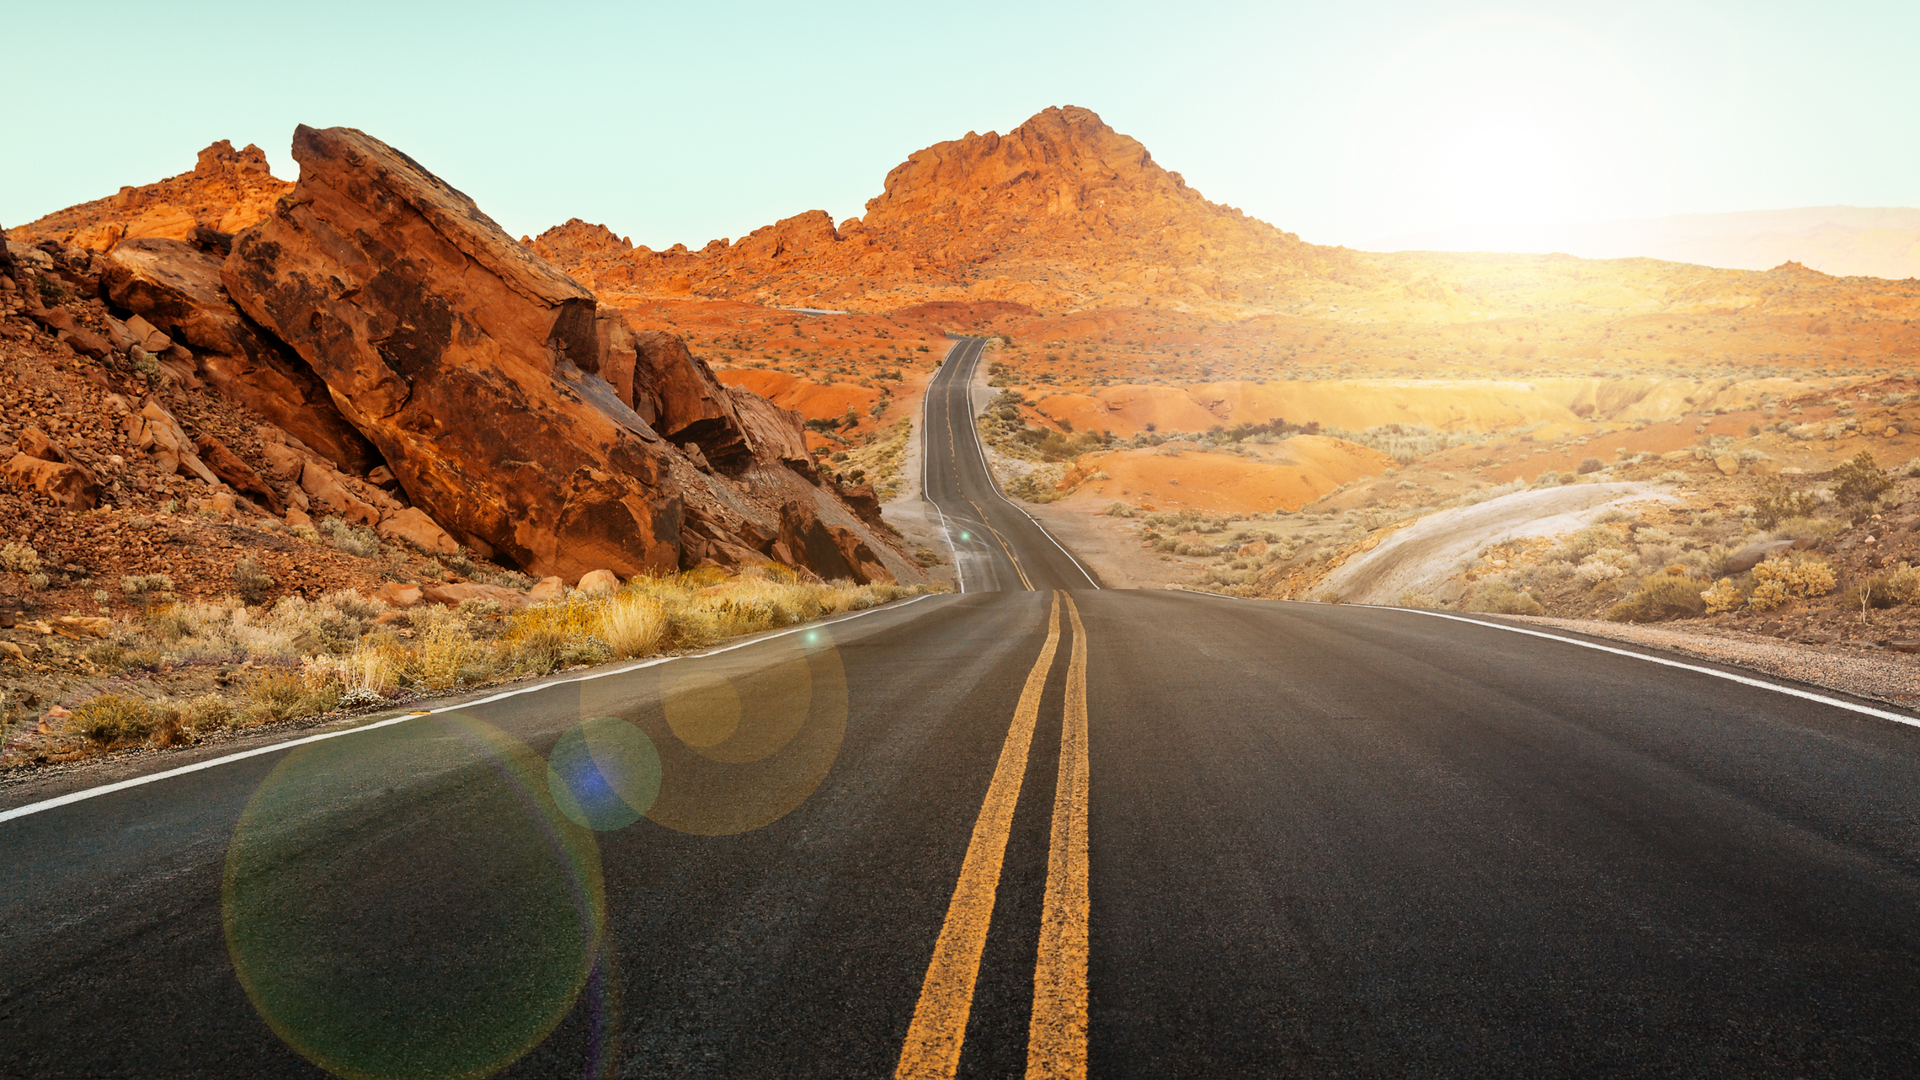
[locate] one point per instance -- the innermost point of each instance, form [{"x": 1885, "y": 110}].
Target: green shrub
[
  {"x": 1798, "y": 576},
  {"x": 114, "y": 719},
  {"x": 1724, "y": 596},
  {"x": 19, "y": 559},
  {"x": 280, "y": 695},
  {"x": 208, "y": 712},
  {"x": 250, "y": 581},
  {"x": 1859, "y": 484},
  {"x": 1778, "y": 502},
  {"x": 1665, "y": 595},
  {"x": 1874, "y": 592},
  {"x": 354, "y": 541},
  {"x": 1904, "y": 584},
  {"x": 1500, "y": 598}
]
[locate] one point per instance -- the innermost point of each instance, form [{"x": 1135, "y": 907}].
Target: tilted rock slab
[
  {"x": 459, "y": 353},
  {"x": 176, "y": 287}
]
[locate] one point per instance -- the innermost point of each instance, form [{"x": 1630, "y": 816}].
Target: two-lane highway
[
  {"x": 1041, "y": 829},
  {"x": 998, "y": 546}
]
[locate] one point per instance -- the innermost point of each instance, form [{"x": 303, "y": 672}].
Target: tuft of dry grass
[{"x": 633, "y": 625}]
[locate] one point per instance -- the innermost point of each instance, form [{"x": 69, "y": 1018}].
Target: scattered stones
[
  {"x": 599, "y": 583},
  {"x": 415, "y": 527},
  {"x": 453, "y": 595},
  {"x": 399, "y": 595}
]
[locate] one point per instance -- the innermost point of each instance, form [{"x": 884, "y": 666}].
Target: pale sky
[{"x": 1344, "y": 122}]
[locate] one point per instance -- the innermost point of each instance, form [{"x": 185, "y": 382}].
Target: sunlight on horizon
[{"x": 1504, "y": 120}]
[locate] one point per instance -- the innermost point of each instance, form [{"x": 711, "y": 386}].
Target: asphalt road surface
[{"x": 1037, "y": 831}]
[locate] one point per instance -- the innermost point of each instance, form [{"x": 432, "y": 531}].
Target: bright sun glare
[{"x": 1503, "y": 121}]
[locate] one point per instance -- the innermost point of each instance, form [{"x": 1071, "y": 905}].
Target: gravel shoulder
[{"x": 1893, "y": 678}]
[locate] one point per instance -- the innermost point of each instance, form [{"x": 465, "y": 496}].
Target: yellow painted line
[
  {"x": 1003, "y": 545},
  {"x": 946, "y": 997},
  {"x": 1057, "y": 1039}
]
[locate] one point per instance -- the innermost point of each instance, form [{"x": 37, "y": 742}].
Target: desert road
[{"x": 1037, "y": 828}]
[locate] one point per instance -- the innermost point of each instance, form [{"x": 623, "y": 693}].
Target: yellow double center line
[{"x": 1057, "y": 1040}]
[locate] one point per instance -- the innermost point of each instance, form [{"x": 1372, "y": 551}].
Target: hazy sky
[{"x": 1344, "y": 122}]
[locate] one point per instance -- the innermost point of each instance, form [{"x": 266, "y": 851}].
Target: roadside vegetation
[{"x": 298, "y": 658}]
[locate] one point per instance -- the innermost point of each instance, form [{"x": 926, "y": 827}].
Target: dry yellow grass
[{"x": 362, "y": 663}]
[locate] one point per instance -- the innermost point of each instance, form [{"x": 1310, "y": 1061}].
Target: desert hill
[
  {"x": 1087, "y": 242},
  {"x": 227, "y": 190},
  {"x": 1059, "y": 212}
]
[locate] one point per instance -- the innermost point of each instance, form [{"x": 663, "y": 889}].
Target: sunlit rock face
[{"x": 521, "y": 417}]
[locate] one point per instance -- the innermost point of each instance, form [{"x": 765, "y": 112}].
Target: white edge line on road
[
  {"x": 133, "y": 782},
  {"x": 1865, "y": 710},
  {"x": 980, "y": 448},
  {"x": 1715, "y": 672},
  {"x": 926, "y": 445}
]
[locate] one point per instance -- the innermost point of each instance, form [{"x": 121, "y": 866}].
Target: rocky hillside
[
  {"x": 228, "y": 190},
  {"x": 1078, "y": 227},
  {"x": 381, "y": 349},
  {"x": 1058, "y": 209}
]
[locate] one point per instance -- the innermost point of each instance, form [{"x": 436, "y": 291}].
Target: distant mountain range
[{"x": 1846, "y": 241}]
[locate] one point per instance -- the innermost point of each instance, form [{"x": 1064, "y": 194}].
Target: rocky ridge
[
  {"x": 226, "y": 191},
  {"x": 1059, "y": 207}
]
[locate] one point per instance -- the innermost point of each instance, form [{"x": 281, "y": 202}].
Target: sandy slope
[
  {"x": 1429, "y": 553},
  {"x": 1287, "y": 475}
]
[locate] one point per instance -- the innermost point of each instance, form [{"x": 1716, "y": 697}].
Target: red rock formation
[
  {"x": 676, "y": 392},
  {"x": 453, "y": 348},
  {"x": 226, "y": 191},
  {"x": 177, "y": 288},
  {"x": 1057, "y": 211},
  {"x": 832, "y": 551},
  {"x": 237, "y": 474},
  {"x": 509, "y": 409}
]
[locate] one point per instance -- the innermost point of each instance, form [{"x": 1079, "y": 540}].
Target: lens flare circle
[
  {"x": 411, "y": 903},
  {"x": 604, "y": 774},
  {"x": 741, "y": 760},
  {"x": 702, "y": 710}
]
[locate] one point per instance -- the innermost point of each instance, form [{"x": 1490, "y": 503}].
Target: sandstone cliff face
[
  {"x": 176, "y": 287},
  {"x": 512, "y": 410},
  {"x": 455, "y": 350},
  {"x": 226, "y": 191},
  {"x": 1057, "y": 212}
]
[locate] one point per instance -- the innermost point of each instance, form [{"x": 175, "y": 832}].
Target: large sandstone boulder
[
  {"x": 73, "y": 486},
  {"x": 831, "y": 551},
  {"x": 237, "y": 474},
  {"x": 674, "y": 391},
  {"x": 176, "y": 288},
  {"x": 776, "y": 434},
  {"x": 460, "y": 354}
]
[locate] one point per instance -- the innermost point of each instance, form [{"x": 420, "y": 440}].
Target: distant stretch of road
[
  {"x": 1037, "y": 828},
  {"x": 999, "y": 547}
]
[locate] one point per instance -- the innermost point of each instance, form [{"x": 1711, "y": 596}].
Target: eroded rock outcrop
[
  {"x": 174, "y": 287},
  {"x": 226, "y": 191},
  {"x": 459, "y": 354},
  {"x": 1058, "y": 211}
]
